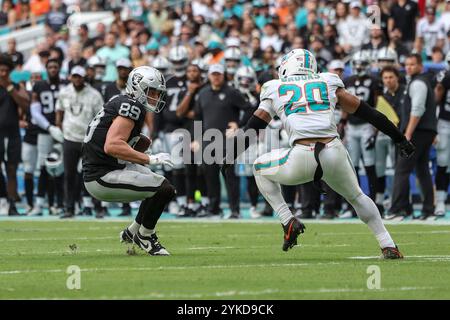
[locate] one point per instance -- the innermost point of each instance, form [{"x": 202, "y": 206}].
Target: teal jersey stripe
[
  {"x": 306, "y": 60},
  {"x": 273, "y": 163}
]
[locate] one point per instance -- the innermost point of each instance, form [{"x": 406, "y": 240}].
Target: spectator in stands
[
  {"x": 353, "y": 32},
  {"x": 398, "y": 45},
  {"x": 57, "y": 16},
  {"x": 404, "y": 15},
  {"x": 157, "y": 16},
  {"x": 39, "y": 7},
  {"x": 112, "y": 52},
  {"x": 7, "y": 14},
  {"x": 430, "y": 33},
  {"x": 16, "y": 56},
  {"x": 75, "y": 57},
  {"x": 377, "y": 42},
  {"x": 445, "y": 17}
]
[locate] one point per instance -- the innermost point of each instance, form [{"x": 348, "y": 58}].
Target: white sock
[
  {"x": 40, "y": 202},
  {"x": 367, "y": 211},
  {"x": 146, "y": 232},
  {"x": 87, "y": 202},
  {"x": 284, "y": 214},
  {"x": 134, "y": 227},
  {"x": 191, "y": 205},
  {"x": 105, "y": 204},
  {"x": 379, "y": 198},
  {"x": 441, "y": 196}
]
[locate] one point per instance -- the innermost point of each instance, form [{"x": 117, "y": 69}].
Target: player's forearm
[
  {"x": 183, "y": 107},
  {"x": 412, "y": 125},
  {"x": 38, "y": 117},
  {"x": 22, "y": 99},
  {"x": 121, "y": 150},
  {"x": 379, "y": 121},
  {"x": 59, "y": 118}
]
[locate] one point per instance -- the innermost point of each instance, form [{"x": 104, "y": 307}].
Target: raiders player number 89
[{"x": 114, "y": 170}]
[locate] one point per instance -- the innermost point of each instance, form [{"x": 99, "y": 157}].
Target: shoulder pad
[
  {"x": 333, "y": 79},
  {"x": 268, "y": 89}
]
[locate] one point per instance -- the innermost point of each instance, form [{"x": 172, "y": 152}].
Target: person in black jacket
[{"x": 418, "y": 122}]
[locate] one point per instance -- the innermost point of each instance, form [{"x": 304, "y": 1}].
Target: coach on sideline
[
  {"x": 77, "y": 104},
  {"x": 418, "y": 121},
  {"x": 219, "y": 106}
]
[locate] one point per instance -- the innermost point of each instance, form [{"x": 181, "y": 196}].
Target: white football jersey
[{"x": 304, "y": 103}]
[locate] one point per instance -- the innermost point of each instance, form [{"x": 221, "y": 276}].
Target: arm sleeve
[
  {"x": 37, "y": 116},
  {"x": 418, "y": 94}
]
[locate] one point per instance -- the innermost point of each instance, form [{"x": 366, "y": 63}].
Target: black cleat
[
  {"x": 150, "y": 244},
  {"x": 291, "y": 232},
  {"x": 67, "y": 215},
  {"x": 126, "y": 236},
  {"x": 391, "y": 253},
  {"x": 234, "y": 215},
  {"x": 126, "y": 211},
  {"x": 12, "y": 211}
]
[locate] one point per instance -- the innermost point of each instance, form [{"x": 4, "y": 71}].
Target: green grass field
[{"x": 220, "y": 260}]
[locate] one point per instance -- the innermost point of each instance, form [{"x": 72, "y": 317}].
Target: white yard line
[{"x": 232, "y": 293}]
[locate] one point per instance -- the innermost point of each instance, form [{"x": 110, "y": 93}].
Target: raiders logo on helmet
[{"x": 137, "y": 77}]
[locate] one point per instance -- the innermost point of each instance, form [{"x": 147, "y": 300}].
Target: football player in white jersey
[{"x": 304, "y": 100}]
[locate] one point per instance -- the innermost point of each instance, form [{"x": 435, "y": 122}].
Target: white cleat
[
  {"x": 35, "y": 211},
  {"x": 254, "y": 214},
  {"x": 440, "y": 209}
]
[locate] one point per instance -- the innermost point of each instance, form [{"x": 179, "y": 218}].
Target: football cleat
[
  {"x": 391, "y": 253},
  {"x": 150, "y": 244},
  {"x": 291, "y": 232},
  {"x": 126, "y": 236}
]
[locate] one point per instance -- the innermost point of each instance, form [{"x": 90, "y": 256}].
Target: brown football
[{"x": 143, "y": 143}]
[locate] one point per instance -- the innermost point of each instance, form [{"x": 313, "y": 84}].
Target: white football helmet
[
  {"x": 54, "y": 162},
  {"x": 179, "y": 58},
  {"x": 143, "y": 79},
  {"x": 245, "y": 79},
  {"x": 99, "y": 65},
  {"x": 232, "y": 58},
  {"x": 387, "y": 56},
  {"x": 296, "y": 62},
  {"x": 361, "y": 63},
  {"x": 162, "y": 64}
]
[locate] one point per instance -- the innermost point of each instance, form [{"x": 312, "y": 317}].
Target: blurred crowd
[{"x": 355, "y": 39}]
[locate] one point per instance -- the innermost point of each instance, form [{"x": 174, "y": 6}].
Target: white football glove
[
  {"x": 160, "y": 158},
  {"x": 56, "y": 133}
]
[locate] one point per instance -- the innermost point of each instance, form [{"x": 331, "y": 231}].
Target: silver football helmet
[
  {"x": 387, "y": 57},
  {"x": 99, "y": 65},
  {"x": 297, "y": 62},
  {"x": 141, "y": 81},
  {"x": 162, "y": 64},
  {"x": 232, "y": 58},
  {"x": 245, "y": 79},
  {"x": 361, "y": 63},
  {"x": 179, "y": 58}
]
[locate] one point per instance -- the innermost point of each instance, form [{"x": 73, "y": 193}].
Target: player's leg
[
  {"x": 422, "y": 170},
  {"x": 71, "y": 157},
  {"x": 443, "y": 161},
  {"x": 44, "y": 146},
  {"x": 289, "y": 167},
  {"x": 29, "y": 159},
  {"x": 368, "y": 155},
  {"x": 14, "y": 148},
  {"x": 382, "y": 149},
  {"x": 135, "y": 183},
  {"x": 339, "y": 174}
]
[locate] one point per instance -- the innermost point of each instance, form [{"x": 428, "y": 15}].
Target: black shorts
[{"x": 10, "y": 149}]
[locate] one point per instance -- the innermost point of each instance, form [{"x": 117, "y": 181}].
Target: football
[{"x": 143, "y": 143}]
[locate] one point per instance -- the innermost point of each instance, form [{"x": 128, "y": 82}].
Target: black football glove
[{"x": 406, "y": 148}]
